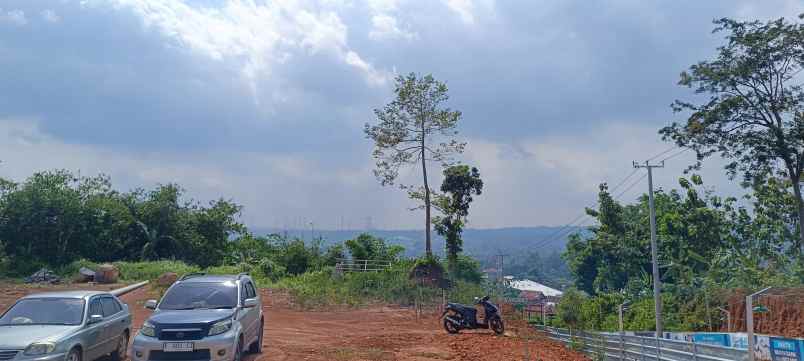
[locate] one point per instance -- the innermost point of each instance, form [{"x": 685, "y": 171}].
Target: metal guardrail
[
  {"x": 361, "y": 265},
  {"x": 614, "y": 346},
  {"x": 121, "y": 291}
]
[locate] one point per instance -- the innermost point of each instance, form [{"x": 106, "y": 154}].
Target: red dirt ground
[{"x": 376, "y": 333}]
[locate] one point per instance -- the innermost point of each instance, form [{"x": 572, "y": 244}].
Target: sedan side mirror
[
  {"x": 250, "y": 303},
  {"x": 150, "y": 304},
  {"x": 94, "y": 319}
]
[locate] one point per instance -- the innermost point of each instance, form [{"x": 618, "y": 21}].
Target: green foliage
[
  {"x": 467, "y": 269},
  {"x": 569, "y": 311},
  {"x": 459, "y": 185},
  {"x": 706, "y": 244},
  {"x": 752, "y": 112},
  {"x": 295, "y": 257},
  {"x": 324, "y": 289},
  {"x": 368, "y": 247},
  {"x": 412, "y": 129},
  {"x": 54, "y": 218}
]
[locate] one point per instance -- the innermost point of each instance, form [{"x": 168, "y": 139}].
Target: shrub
[{"x": 570, "y": 309}]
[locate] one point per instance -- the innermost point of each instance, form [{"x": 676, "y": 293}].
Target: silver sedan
[{"x": 65, "y": 326}]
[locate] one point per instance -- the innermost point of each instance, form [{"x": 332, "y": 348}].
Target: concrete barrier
[{"x": 122, "y": 291}]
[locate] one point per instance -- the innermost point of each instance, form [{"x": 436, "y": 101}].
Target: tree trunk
[
  {"x": 797, "y": 190},
  {"x": 428, "y": 249}
]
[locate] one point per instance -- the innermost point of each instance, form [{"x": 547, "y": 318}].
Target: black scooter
[{"x": 461, "y": 317}]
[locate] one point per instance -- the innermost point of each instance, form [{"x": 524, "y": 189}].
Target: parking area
[{"x": 375, "y": 333}]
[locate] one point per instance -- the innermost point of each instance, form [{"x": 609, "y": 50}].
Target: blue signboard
[
  {"x": 716, "y": 339},
  {"x": 785, "y": 349}
]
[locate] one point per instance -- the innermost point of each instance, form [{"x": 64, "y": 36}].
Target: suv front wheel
[
  {"x": 256, "y": 347},
  {"x": 238, "y": 356}
]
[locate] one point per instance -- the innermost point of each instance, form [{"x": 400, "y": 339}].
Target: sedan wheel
[
  {"x": 122, "y": 348},
  {"x": 74, "y": 355}
]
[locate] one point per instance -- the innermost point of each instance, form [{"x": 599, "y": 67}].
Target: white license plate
[{"x": 178, "y": 347}]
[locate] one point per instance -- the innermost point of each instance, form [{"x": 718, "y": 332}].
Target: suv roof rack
[
  {"x": 242, "y": 274},
  {"x": 191, "y": 275}
]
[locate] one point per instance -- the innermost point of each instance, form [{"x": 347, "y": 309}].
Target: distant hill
[{"x": 477, "y": 242}]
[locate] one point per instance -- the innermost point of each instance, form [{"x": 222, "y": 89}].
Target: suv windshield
[
  {"x": 188, "y": 296},
  {"x": 45, "y": 311}
]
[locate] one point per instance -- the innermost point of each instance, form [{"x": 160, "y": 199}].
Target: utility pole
[
  {"x": 654, "y": 251},
  {"x": 501, "y": 263},
  {"x": 749, "y": 321}
]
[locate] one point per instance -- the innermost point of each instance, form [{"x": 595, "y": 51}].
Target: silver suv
[{"x": 202, "y": 317}]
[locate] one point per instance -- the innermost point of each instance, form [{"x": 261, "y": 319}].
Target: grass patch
[
  {"x": 150, "y": 271},
  {"x": 323, "y": 288}
]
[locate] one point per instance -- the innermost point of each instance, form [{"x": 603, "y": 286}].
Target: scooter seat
[{"x": 459, "y": 307}]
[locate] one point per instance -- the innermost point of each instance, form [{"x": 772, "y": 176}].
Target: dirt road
[
  {"x": 388, "y": 333},
  {"x": 378, "y": 333}
]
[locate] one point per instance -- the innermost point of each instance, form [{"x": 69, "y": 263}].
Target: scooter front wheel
[
  {"x": 450, "y": 327},
  {"x": 497, "y": 325}
]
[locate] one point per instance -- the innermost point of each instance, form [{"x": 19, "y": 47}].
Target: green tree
[
  {"x": 413, "y": 129},
  {"x": 295, "y": 257},
  {"x": 212, "y": 227},
  {"x": 569, "y": 310},
  {"x": 754, "y": 113},
  {"x": 368, "y": 247},
  {"x": 459, "y": 186},
  {"x": 467, "y": 269}
]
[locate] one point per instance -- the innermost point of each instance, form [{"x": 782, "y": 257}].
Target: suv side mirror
[
  {"x": 250, "y": 303},
  {"x": 94, "y": 319},
  {"x": 150, "y": 304}
]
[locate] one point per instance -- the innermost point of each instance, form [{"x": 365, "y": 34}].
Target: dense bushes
[{"x": 54, "y": 218}]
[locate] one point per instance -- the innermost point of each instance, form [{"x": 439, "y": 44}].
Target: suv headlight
[
  {"x": 148, "y": 330},
  {"x": 220, "y": 327},
  {"x": 41, "y": 348}
]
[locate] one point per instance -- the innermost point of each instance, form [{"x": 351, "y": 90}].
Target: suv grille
[
  {"x": 8, "y": 354},
  {"x": 197, "y": 355},
  {"x": 181, "y": 335}
]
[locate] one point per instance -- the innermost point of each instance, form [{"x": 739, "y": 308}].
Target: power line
[
  {"x": 561, "y": 232},
  {"x": 569, "y": 225},
  {"x": 683, "y": 150},
  {"x": 566, "y": 230},
  {"x": 620, "y": 195},
  {"x": 662, "y": 153}
]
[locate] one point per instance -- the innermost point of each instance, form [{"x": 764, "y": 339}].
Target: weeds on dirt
[{"x": 393, "y": 285}]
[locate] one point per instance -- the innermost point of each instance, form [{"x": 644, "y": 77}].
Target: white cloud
[
  {"x": 384, "y": 27},
  {"x": 464, "y": 8},
  {"x": 13, "y": 17},
  {"x": 50, "y": 16},
  {"x": 253, "y": 37}
]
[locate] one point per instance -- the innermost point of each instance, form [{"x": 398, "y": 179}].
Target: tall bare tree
[
  {"x": 754, "y": 112},
  {"x": 412, "y": 130}
]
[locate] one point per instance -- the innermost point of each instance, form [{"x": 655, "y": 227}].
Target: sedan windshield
[
  {"x": 45, "y": 311},
  {"x": 188, "y": 296}
]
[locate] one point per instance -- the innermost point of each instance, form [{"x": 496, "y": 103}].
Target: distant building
[{"x": 530, "y": 287}]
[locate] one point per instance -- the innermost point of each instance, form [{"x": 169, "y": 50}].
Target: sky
[{"x": 264, "y": 102}]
